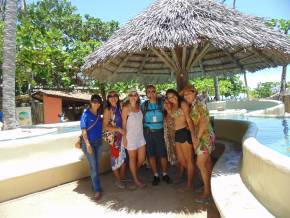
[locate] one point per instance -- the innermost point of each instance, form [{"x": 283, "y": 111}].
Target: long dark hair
[
  {"x": 97, "y": 98},
  {"x": 174, "y": 92},
  {"x": 108, "y": 104}
]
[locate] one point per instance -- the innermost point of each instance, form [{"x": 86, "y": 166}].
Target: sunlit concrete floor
[{"x": 75, "y": 199}]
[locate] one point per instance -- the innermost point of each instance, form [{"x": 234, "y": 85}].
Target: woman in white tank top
[{"x": 133, "y": 140}]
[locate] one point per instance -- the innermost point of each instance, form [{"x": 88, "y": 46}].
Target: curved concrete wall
[
  {"x": 265, "y": 172},
  {"x": 37, "y": 163},
  {"x": 258, "y": 107}
]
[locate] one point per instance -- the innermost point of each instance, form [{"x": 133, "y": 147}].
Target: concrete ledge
[
  {"x": 267, "y": 174},
  {"x": 39, "y": 163},
  {"x": 261, "y": 107},
  {"x": 231, "y": 196}
]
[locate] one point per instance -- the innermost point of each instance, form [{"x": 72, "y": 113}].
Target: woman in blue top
[{"x": 91, "y": 126}]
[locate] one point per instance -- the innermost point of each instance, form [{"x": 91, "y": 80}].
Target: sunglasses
[
  {"x": 95, "y": 102},
  {"x": 133, "y": 95},
  {"x": 113, "y": 96},
  {"x": 152, "y": 91}
]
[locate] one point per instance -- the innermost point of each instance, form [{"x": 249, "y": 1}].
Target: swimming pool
[{"x": 273, "y": 132}]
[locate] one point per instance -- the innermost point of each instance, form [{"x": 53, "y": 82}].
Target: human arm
[
  {"x": 106, "y": 123},
  {"x": 186, "y": 111},
  {"x": 87, "y": 142},
  {"x": 125, "y": 112}
]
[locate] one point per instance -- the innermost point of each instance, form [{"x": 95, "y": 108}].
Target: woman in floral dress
[
  {"x": 113, "y": 132},
  {"x": 203, "y": 138}
]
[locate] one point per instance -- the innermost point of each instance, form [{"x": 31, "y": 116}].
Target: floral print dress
[
  {"x": 207, "y": 140},
  {"x": 118, "y": 152}
]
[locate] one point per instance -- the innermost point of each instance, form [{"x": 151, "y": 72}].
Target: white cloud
[{"x": 266, "y": 75}]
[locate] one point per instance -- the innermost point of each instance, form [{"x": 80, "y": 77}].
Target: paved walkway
[{"x": 74, "y": 200}]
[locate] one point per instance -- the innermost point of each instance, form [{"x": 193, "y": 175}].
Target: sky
[{"x": 123, "y": 10}]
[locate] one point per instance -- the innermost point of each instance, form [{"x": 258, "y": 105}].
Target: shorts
[
  {"x": 183, "y": 135},
  {"x": 155, "y": 144},
  {"x": 136, "y": 145}
]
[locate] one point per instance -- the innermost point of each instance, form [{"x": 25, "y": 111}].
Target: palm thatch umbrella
[{"x": 185, "y": 38}]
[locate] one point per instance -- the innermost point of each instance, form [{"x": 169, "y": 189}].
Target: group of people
[{"x": 176, "y": 129}]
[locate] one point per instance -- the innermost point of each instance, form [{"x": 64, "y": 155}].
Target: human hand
[
  {"x": 195, "y": 142},
  {"x": 89, "y": 149},
  {"x": 125, "y": 142},
  {"x": 122, "y": 131}
]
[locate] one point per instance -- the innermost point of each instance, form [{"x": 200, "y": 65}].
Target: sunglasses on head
[{"x": 113, "y": 96}]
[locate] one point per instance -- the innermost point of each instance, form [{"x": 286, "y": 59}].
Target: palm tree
[{"x": 9, "y": 65}]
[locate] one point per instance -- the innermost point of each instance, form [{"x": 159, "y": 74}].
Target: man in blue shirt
[{"x": 154, "y": 134}]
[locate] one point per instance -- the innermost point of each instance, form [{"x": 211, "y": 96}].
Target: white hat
[{"x": 132, "y": 90}]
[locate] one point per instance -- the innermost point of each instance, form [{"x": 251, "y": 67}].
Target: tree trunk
[
  {"x": 103, "y": 92},
  {"x": 234, "y": 4},
  {"x": 8, "y": 67},
  {"x": 283, "y": 80},
  {"x": 246, "y": 85},
  {"x": 216, "y": 89},
  {"x": 181, "y": 80}
]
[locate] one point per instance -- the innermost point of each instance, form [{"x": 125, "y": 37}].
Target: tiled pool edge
[{"x": 257, "y": 157}]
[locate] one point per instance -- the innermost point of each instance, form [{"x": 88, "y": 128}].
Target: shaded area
[{"x": 76, "y": 200}]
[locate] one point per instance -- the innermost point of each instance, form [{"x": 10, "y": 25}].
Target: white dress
[{"x": 134, "y": 129}]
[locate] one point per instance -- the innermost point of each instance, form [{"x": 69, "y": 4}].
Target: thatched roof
[{"x": 213, "y": 39}]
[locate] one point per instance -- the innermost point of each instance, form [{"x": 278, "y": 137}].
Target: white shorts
[{"x": 136, "y": 144}]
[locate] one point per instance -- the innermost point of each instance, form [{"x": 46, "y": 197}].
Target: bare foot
[{"x": 141, "y": 185}]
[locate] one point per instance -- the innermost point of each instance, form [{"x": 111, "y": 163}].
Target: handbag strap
[{"x": 93, "y": 124}]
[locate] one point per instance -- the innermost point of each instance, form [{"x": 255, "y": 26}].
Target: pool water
[
  {"x": 68, "y": 129},
  {"x": 273, "y": 132}
]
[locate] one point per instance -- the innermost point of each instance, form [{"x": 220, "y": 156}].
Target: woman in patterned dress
[
  {"x": 113, "y": 125},
  {"x": 203, "y": 138}
]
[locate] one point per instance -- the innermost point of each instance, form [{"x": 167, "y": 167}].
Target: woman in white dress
[{"x": 133, "y": 140}]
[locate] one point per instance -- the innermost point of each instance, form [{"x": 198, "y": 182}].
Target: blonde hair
[{"x": 188, "y": 88}]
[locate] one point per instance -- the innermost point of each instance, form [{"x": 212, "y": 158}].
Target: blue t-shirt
[
  {"x": 87, "y": 120},
  {"x": 153, "y": 116}
]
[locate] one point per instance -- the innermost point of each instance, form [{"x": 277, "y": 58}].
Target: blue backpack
[{"x": 158, "y": 108}]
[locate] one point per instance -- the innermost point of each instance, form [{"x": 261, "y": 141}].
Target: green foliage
[
  {"x": 228, "y": 86},
  {"x": 52, "y": 42},
  {"x": 265, "y": 90},
  {"x": 279, "y": 24}
]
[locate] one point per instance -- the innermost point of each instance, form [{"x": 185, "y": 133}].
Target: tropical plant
[
  {"x": 265, "y": 90},
  {"x": 284, "y": 27}
]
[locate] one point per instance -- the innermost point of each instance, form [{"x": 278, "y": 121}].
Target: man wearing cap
[{"x": 154, "y": 134}]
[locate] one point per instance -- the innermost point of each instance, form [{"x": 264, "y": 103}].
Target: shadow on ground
[{"x": 163, "y": 199}]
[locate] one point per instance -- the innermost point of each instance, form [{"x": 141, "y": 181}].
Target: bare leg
[
  {"x": 123, "y": 171},
  {"x": 153, "y": 164},
  {"x": 187, "y": 154},
  {"x": 179, "y": 155},
  {"x": 164, "y": 164},
  {"x": 202, "y": 163},
  {"x": 133, "y": 165},
  {"x": 141, "y": 152},
  {"x": 117, "y": 175}
]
